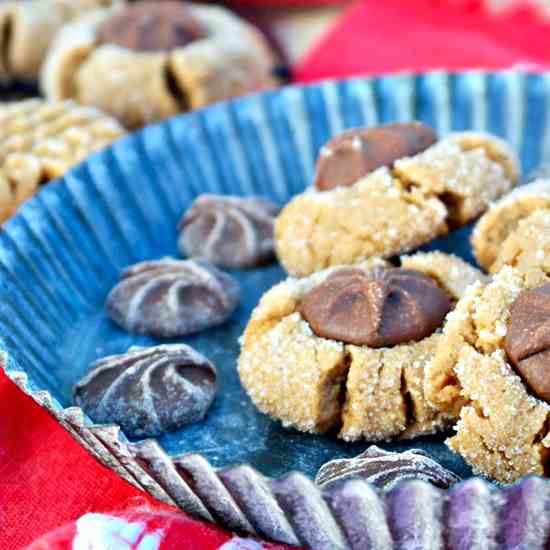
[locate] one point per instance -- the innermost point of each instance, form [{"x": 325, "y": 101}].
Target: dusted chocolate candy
[
  {"x": 528, "y": 339},
  {"x": 152, "y": 26},
  {"x": 353, "y": 154},
  {"x": 385, "y": 469},
  {"x": 229, "y": 231},
  {"x": 148, "y": 391},
  {"x": 378, "y": 309},
  {"x": 168, "y": 298}
]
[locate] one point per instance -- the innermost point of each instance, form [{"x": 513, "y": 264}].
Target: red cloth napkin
[
  {"x": 47, "y": 480},
  {"x": 384, "y": 36}
]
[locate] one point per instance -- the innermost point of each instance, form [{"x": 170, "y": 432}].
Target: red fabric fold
[
  {"x": 46, "y": 478},
  {"x": 418, "y": 35}
]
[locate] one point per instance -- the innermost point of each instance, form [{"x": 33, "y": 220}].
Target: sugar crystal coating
[
  {"x": 502, "y": 429},
  {"x": 316, "y": 384},
  {"x": 502, "y": 219},
  {"x": 148, "y": 391},
  {"x": 527, "y": 245},
  {"x": 168, "y": 298},
  {"x": 390, "y": 211}
]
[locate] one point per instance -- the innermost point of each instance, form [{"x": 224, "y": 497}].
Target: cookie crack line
[
  {"x": 408, "y": 402},
  {"x": 178, "y": 92},
  {"x": 6, "y": 34}
]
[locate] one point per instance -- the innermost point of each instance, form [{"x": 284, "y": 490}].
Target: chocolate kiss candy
[
  {"x": 385, "y": 469},
  {"x": 230, "y": 232},
  {"x": 528, "y": 339},
  {"x": 377, "y": 309},
  {"x": 152, "y": 26},
  {"x": 148, "y": 391},
  {"x": 350, "y": 156},
  {"x": 168, "y": 298}
]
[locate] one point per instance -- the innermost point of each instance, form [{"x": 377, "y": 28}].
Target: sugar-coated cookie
[
  {"x": 304, "y": 357},
  {"x": 382, "y": 191}
]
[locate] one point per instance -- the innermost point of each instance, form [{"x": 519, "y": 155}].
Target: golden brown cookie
[
  {"x": 144, "y": 63},
  {"x": 41, "y": 140},
  {"x": 528, "y": 245},
  {"x": 394, "y": 208},
  {"x": 28, "y": 28},
  {"x": 494, "y": 227},
  {"x": 503, "y": 427},
  {"x": 317, "y": 384}
]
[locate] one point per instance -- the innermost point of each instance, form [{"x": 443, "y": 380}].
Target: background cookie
[
  {"x": 41, "y": 140},
  {"x": 28, "y": 28},
  {"x": 141, "y": 77},
  {"x": 395, "y": 209},
  {"x": 502, "y": 218},
  {"x": 316, "y": 384}
]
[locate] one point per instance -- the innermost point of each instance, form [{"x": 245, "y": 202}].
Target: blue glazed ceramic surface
[{"x": 62, "y": 253}]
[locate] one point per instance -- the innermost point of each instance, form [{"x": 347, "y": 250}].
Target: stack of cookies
[{"x": 372, "y": 343}]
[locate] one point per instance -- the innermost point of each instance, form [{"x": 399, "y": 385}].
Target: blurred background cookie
[
  {"x": 147, "y": 61},
  {"x": 40, "y": 140},
  {"x": 27, "y": 29}
]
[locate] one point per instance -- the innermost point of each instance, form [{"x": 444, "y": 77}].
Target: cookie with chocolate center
[
  {"x": 492, "y": 368},
  {"x": 146, "y": 61},
  {"x": 381, "y": 191},
  {"x": 345, "y": 349}
]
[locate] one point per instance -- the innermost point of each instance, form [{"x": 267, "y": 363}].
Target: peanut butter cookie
[
  {"x": 151, "y": 60},
  {"x": 346, "y": 348},
  {"x": 502, "y": 219},
  {"x": 40, "y": 140},
  {"x": 382, "y": 191},
  {"x": 28, "y": 28},
  {"x": 491, "y": 368},
  {"x": 528, "y": 245}
]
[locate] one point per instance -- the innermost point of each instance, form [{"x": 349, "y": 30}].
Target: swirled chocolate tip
[{"x": 385, "y": 469}]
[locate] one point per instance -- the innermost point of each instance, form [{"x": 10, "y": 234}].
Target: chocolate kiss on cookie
[
  {"x": 353, "y": 154},
  {"x": 528, "y": 339},
  {"x": 152, "y": 26},
  {"x": 377, "y": 309}
]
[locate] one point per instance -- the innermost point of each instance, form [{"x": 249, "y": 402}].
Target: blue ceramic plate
[{"x": 63, "y": 251}]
